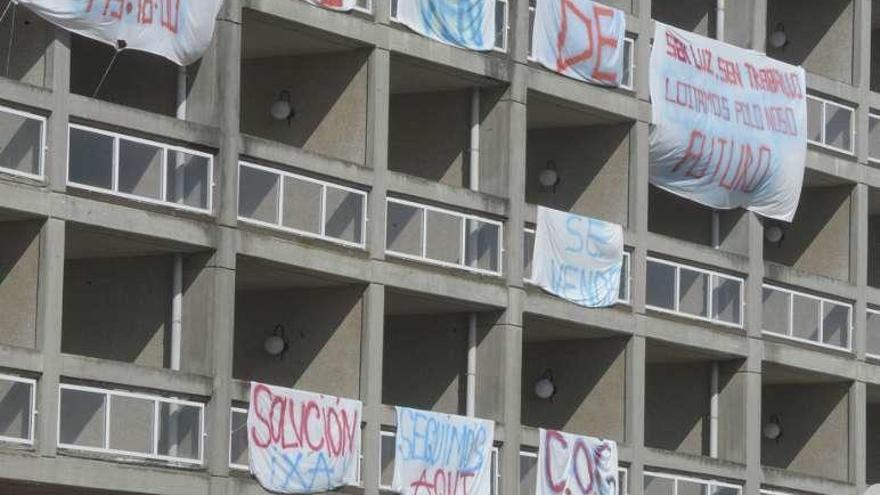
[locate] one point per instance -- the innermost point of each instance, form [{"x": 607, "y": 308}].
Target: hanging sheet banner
[
  {"x": 578, "y": 258},
  {"x": 442, "y": 454},
  {"x": 179, "y": 30},
  {"x": 302, "y": 442},
  {"x": 729, "y": 124},
  {"x": 576, "y": 465},
  {"x": 341, "y": 5},
  {"x": 465, "y": 23},
  {"x": 580, "y": 39}
]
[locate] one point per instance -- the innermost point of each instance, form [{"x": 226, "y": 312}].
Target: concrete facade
[{"x": 86, "y": 276}]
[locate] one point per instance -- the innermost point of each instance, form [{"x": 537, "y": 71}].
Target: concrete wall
[
  {"x": 117, "y": 308},
  {"x": 817, "y": 241},
  {"x": 677, "y": 217},
  {"x": 824, "y": 45},
  {"x": 874, "y": 254},
  {"x": 677, "y": 407},
  {"x": 593, "y": 167},
  {"x": 731, "y": 411},
  {"x": 425, "y": 361},
  {"x": 198, "y": 325},
  {"x": 815, "y": 429},
  {"x": 323, "y": 328},
  {"x": 328, "y": 93},
  {"x": 693, "y": 15},
  {"x": 494, "y": 132},
  {"x": 19, "y": 267},
  {"x": 32, "y": 36},
  {"x": 429, "y": 135},
  {"x": 590, "y": 378}
]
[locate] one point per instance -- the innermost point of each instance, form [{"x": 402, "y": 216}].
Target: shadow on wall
[
  {"x": 19, "y": 266},
  {"x": 873, "y": 443},
  {"x": 24, "y": 40},
  {"x": 674, "y": 216},
  {"x": 677, "y": 406},
  {"x": 692, "y": 15}
]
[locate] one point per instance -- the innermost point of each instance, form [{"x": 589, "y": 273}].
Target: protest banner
[
  {"x": 341, "y": 5},
  {"x": 576, "y": 465},
  {"x": 464, "y": 23}
]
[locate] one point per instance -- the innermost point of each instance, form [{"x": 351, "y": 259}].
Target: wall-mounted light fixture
[
  {"x": 773, "y": 429},
  {"x": 282, "y": 108},
  {"x": 778, "y": 38},
  {"x": 545, "y": 389},
  {"x": 549, "y": 177},
  {"x": 276, "y": 343},
  {"x": 774, "y": 233}
]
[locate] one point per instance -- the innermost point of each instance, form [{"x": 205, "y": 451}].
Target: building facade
[{"x": 159, "y": 226}]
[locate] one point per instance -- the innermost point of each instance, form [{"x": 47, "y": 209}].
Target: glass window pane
[
  {"x": 528, "y": 474},
  {"x": 660, "y": 285},
  {"x": 443, "y": 237},
  {"x": 838, "y": 127},
  {"x": 874, "y": 137},
  {"x": 691, "y": 488},
  {"x": 775, "y": 314},
  {"x": 628, "y": 46},
  {"x": 531, "y": 24},
  {"x": 387, "y": 459},
  {"x": 15, "y": 409},
  {"x": 81, "y": 417},
  {"x": 302, "y": 205},
  {"x": 20, "y": 143},
  {"x": 805, "y": 318},
  {"x": 188, "y": 179},
  {"x": 659, "y": 486},
  {"x": 873, "y": 340},
  {"x": 393, "y": 9},
  {"x": 835, "y": 324},
  {"x": 140, "y": 169},
  {"x": 725, "y": 490},
  {"x": 131, "y": 424},
  {"x": 528, "y": 254},
  {"x": 500, "y": 23},
  {"x": 623, "y": 293},
  {"x": 238, "y": 439},
  {"x": 91, "y": 159},
  {"x": 482, "y": 242},
  {"x": 258, "y": 194},
  {"x": 814, "y": 120},
  {"x": 693, "y": 292},
  {"x": 179, "y": 430},
  {"x": 404, "y": 229},
  {"x": 726, "y": 301},
  {"x": 345, "y": 213}
]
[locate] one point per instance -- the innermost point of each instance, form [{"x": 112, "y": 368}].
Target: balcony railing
[
  {"x": 301, "y": 205},
  {"x": 139, "y": 169},
  {"x": 130, "y": 424},
  {"x": 23, "y": 142},
  {"x": 670, "y": 484},
  {"x": 442, "y": 237},
  {"x": 528, "y": 471},
  {"x": 502, "y": 24},
  {"x": 17, "y": 409},
  {"x": 807, "y": 318},
  {"x": 830, "y": 124},
  {"x": 694, "y": 293}
]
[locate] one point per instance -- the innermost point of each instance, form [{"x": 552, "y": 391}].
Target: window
[
  {"x": 22, "y": 141},
  {"x": 138, "y": 425},
  {"x": 17, "y": 409},
  {"x": 668, "y": 484},
  {"x": 874, "y": 137},
  {"x": 238, "y": 439},
  {"x": 365, "y": 6},
  {"x": 301, "y": 205},
  {"x": 873, "y": 330},
  {"x": 830, "y": 124},
  {"x": 502, "y": 24},
  {"x": 442, "y": 237},
  {"x": 629, "y": 64},
  {"x": 694, "y": 292},
  {"x": 139, "y": 169},
  {"x": 807, "y": 318}
]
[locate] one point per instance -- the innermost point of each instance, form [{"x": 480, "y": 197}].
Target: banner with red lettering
[
  {"x": 342, "y": 5},
  {"x": 302, "y": 442},
  {"x": 576, "y": 465},
  {"x": 580, "y": 39},
  {"x": 729, "y": 124},
  {"x": 179, "y": 30},
  {"x": 439, "y": 453}
]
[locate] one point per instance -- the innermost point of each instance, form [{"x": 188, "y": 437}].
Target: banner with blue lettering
[
  {"x": 464, "y": 23},
  {"x": 302, "y": 442},
  {"x": 580, "y": 39},
  {"x": 578, "y": 258},
  {"x": 442, "y": 453},
  {"x": 729, "y": 125},
  {"x": 576, "y": 465}
]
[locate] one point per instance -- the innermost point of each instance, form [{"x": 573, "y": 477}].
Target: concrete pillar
[
  {"x": 372, "y": 340},
  {"x": 858, "y": 449},
  {"x": 859, "y": 266},
  {"x": 753, "y": 423},
  {"x": 378, "y": 103},
  {"x": 50, "y": 295},
  {"x": 227, "y": 39},
  {"x": 638, "y": 212},
  {"x": 56, "y": 131},
  {"x": 759, "y": 26},
  {"x": 635, "y": 410}
]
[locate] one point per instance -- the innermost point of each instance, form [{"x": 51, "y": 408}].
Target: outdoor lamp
[
  {"x": 276, "y": 344},
  {"x": 549, "y": 177},
  {"x": 772, "y": 429},
  {"x": 778, "y": 38},
  {"x": 545, "y": 388},
  {"x": 281, "y": 108},
  {"x": 774, "y": 233}
]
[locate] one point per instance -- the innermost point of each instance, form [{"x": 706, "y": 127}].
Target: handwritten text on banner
[
  {"x": 442, "y": 454},
  {"x": 580, "y": 39},
  {"x": 302, "y": 442},
  {"x": 578, "y": 258},
  {"x": 576, "y": 465},
  {"x": 463, "y": 23},
  {"x": 729, "y": 124}
]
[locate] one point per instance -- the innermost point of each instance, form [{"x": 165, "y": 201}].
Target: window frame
[
  {"x": 709, "y": 484},
  {"x": 869, "y": 311},
  {"x": 712, "y": 277},
  {"x": 41, "y": 175},
  {"x": 629, "y": 44},
  {"x": 33, "y": 409},
  {"x": 367, "y": 9},
  {"x": 872, "y": 115},
  {"x": 852, "y": 128},
  {"x": 232, "y": 411},
  {"x": 822, "y": 300}
]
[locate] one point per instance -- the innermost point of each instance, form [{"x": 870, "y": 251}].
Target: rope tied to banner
[{"x": 120, "y": 45}]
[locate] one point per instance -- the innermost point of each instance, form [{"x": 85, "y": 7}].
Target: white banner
[
  {"x": 341, "y": 5},
  {"x": 580, "y": 39},
  {"x": 464, "y": 23},
  {"x": 578, "y": 258},
  {"x": 576, "y": 465},
  {"x": 179, "y": 30},
  {"x": 442, "y": 454},
  {"x": 729, "y": 124},
  {"x": 302, "y": 442}
]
